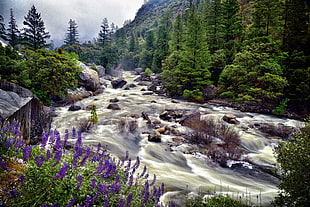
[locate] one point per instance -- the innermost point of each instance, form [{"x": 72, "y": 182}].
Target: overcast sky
[{"x": 88, "y": 14}]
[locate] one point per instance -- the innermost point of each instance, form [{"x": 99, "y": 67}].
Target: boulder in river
[
  {"x": 209, "y": 92},
  {"x": 89, "y": 78},
  {"x": 114, "y": 106},
  {"x": 74, "y": 108},
  {"x": 119, "y": 83},
  {"x": 231, "y": 119},
  {"x": 154, "y": 137}
]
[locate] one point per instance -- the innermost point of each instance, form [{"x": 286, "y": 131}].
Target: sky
[{"x": 88, "y": 14}]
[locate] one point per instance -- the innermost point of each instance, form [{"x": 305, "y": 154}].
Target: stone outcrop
[
  {"x": 231, "y": 119},
  {"x": 119, "y": 83},
  {"x": 89, "y": 78},
  {"x": 20, "y": 104}
]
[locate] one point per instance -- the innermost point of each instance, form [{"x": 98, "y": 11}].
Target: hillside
[{"x": 150, "y": 13}]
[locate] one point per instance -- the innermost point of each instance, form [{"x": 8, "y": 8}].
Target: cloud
[{"x": 87, "y": 14}]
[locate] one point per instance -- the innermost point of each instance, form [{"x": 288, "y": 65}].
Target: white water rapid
[{"x": 183, "y": 174}]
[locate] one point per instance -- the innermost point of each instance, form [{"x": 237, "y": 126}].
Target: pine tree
[
  {"x": 104, "y": 33},
  {"x": 177, "y": 34},
  {"x": 2, "y": 28},
  {"x": 232, "y": 21},
  {"x": 34, "y": 35},
  {"x": 215, "y": 25},
  {"x": 13, "y": 34},
  {"x": 193, "y": 67},
  {"x": 72, "y": 34},
  {"x": 267, "y": 18}
]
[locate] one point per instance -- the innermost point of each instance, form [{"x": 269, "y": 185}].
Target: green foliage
[
  {"x": 148, "y": 72},
  {"x": 72, "y": 33},
  {"x": 94, "y": 116},
  {"x": 195, "y": 95},
  {"x": 256, "y": 72},
  {"x": 280, "y": 110},
  {"x": 293, "y": 157}
]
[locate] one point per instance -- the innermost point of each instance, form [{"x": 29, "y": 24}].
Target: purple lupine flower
[
  {"x": 106, "y": 201},
  {"x": 45, "y": 205},
  {"x": 146, "y": 176},
  {"x": 93, "y": 183},
  {"x": 80, "y": 180},
  {"x": 88, "y": 201},
  {"x": 85, "y": 157},
  {"x": 114, "y": 188},
  {"x": 117, "y": 178},
  {"x": 62, "y": 172},
  {"x": 8, "y": 143},
  {"x": 162, "y": 189},
  {"x": 129, "y": 199},
  {"x": 145, "y": 194},
  {"x": 66, "y": 137},
  {"x": 52, "y": 137},
  {"x": 98, "y": 148},
  {"x": 72, "y": 202},
  {"x": 143, "y": 172},
  {"x": 154, "y": 180},
  {"x": 130, "y": 182},
  {"x": 128, "y": 165},
  {"x": 137, "y": 163},
  {"x": 3, "y": 164},
  {"x": 19, "y": 143},
  {"x": 27, "y": 152},
  {"x": 120, "y": 203},
  {"x": 57, "y": 145},
  {"x": 78, "y": 143},
  {"x": 73, "y": 133},
  {"x": 13, "y": 193},
  {"x": 48, "y": 155},
  {"x": 102, "y": 188},
  {"x": 21, "y": 178},
  {"x": 100, "y": 168},
  {"x": 110, "y": 171},
  {"x": 57, "y": 157},
  {"x": 44, "y": 141},
  {"x": 39, "y": 160}
]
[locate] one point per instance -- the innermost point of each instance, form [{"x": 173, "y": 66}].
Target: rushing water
[{"x": 184, "y": 174}]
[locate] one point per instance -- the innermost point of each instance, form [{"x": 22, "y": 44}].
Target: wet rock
[
  {"x": 114, "y": 106},
  {"x": 190, "y": 119},
  {"x": 74, "y": 108},
  {"x": 21, "y": 105},
  {"x": 114, "y": 100},
  {"x": 119, "y": 83},
  {"x": 209, "y": 92},
  {"x": 147, "y": 94},
  {"x": 231, "y": 119},
  {"x": 154, "y": 137},
  {"x": 138, "y": 71},
  {"x": 99, "y": 91},
  {"x": 145, "y": 116},
  {"x": 129, "y": 86},
  {"x": 89, "y": 78}
]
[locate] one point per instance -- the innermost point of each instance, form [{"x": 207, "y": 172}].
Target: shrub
[
  {"x": 280, "y": 110},
  {"x": 148, "y": 72},
  {"x": 214, "y": 201},
  {"x": 193, "y": 95},
  {"x": 227, "y": 94},
  {"x": 54, "y": 176},
  {"x": 293, "y": 156},
  {"x": 94, "y": 116}
]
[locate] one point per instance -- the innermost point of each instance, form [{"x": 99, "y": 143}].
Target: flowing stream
[{"x": 184, "y": 174}]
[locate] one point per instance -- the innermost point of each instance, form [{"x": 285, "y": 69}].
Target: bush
[
  {"x": 227, "y": 94},
  {"x": 280, "y": 110},
  {"x": 195, "y": 95},
  {"x": 214, "y": 201},
  {"x": 294, "y": 159},
  {"x": 54, "y": 176},
  {"x": 148, "y": 72}
]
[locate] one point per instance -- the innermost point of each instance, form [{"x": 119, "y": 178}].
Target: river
[{"x": 184, "y": 174}]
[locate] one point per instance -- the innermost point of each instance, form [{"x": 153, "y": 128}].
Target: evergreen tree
[
  {"x": 13, "y": 34},
  {"x": 72, "y": 34},
  {"x": 177, "y": 34},
  {"x": 215, "y": 25},
  {"x": 34, "y": 35},
  {"x": 104, "y": 33},
  {"x": 162, "y": 43},
  {"x": 296, "y": 26},
  {"x": 266, "y": 18},
  {"x": 232, "y": 21},
  {"x": 2, "y": 28}
]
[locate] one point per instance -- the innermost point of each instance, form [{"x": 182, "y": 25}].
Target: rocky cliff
[{"x": 20, "y": 104}]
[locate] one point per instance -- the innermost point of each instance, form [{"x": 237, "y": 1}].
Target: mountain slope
[{"x": 150, "y": 13}]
